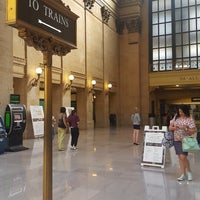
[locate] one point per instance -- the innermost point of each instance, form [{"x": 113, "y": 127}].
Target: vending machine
[{"x": 15, "y": 124}]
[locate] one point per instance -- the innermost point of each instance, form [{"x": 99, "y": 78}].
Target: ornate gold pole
[
  {"x": 47, "y": 160},
  {"x": 48, "y": 46}
]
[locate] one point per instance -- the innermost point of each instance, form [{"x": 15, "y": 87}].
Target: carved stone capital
[
  {"x": 105, "y": 13},
  {"x": 133, "y": 25},
  {"x": 42, "y": 43},
  {"x": 89, "y": 3}
]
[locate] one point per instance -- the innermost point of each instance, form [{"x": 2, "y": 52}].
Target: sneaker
[
  {"x": 181, "y": 178},
  {"x": 60, "y": 149},
  {"x": 189, "y": 175},
  {"x": 72, "y": 148}
]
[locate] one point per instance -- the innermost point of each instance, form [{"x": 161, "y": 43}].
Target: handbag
[
  {"x": 168, "y": 139},
  {"x": 198, "y": 137},
  {"x": 61, "y": 123},
  {"x": 190, "y": 144}
]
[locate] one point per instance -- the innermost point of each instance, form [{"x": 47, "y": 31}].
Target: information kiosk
[
  {"x": 15, "y": 124},
  {"x": 3, "y": 136},
  {"x": 154, "y": 151}
]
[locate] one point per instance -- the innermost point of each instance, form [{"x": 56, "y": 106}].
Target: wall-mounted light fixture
[
  {"x": 34, "y": 81},
  {"x": 68, "y": 85},
  {"x": 92, "y": 89},
  {"x": 109, "y": 88}
]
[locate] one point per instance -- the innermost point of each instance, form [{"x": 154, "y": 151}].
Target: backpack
[{"x": 61, "y": 123}]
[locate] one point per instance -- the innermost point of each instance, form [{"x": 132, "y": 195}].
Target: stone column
[
  {"x": 6, "y": 59},
  {"x": 101, "y": 110},
  {"x": 81, "y": 107}
]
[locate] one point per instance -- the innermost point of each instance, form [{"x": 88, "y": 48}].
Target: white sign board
[
  {"x": 37, "y": 116},
  {"x": 154, "y": 151}
]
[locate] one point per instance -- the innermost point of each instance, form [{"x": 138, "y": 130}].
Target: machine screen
[{"x": 17, "y": 117}]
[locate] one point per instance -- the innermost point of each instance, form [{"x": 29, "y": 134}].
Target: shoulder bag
[
  {"x": 61, "y": 123},
  {"x": 190, "y": 144}
]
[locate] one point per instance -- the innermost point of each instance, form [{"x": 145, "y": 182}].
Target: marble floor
[{"x": 106, "y": 166}]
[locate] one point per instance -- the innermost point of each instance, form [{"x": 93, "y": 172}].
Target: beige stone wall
[
  {"x": 111, "y": 55},
  {"x": 75, "y": 60},
  {"x": 96, "y": 57},
  {"x": 6, "y": 81},
  {"x": 129, "y": 78},
  {"x": 94, "y": 47}
]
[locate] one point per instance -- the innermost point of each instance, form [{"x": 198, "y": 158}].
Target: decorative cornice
[
  {"x": 100, "y": 83},
  {"x": 89, "y": 3},
  {"x": 60, "y": 2},
  {"x": 125, "y": 3},
  {"x": 79, "y": 79},
  {"x": 19, "y": 67},
  {"x": 42, "y": 43},
  {"x": 19, "y": 61},
  {"x": 133, "y": 25},
  {"x": 105, "y": 13}
]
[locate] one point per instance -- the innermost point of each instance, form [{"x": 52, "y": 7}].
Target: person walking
[
  {"x": 62, "y": 124},
  {"x": 182, "y": 125},
  {"x": 135, "y": 118},
  {"x": 73, "y": 121}
]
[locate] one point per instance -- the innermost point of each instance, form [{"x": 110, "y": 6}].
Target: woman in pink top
[{"x": 182, "y": 125}]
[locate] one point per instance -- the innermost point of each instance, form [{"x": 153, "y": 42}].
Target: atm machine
[{"x": 15, "y": 124}]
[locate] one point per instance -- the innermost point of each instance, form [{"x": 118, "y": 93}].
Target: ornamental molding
[
  {"x": 105, "y": 13},
  {"x": 124, "y": 3},
  {"x": 19, "y": 61},
  {"x": 18, "y": 70},
  {"x": 89, "y": 3},
  {"x": 42, "y": 43},
  {"x": 133, "y": 25}
]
